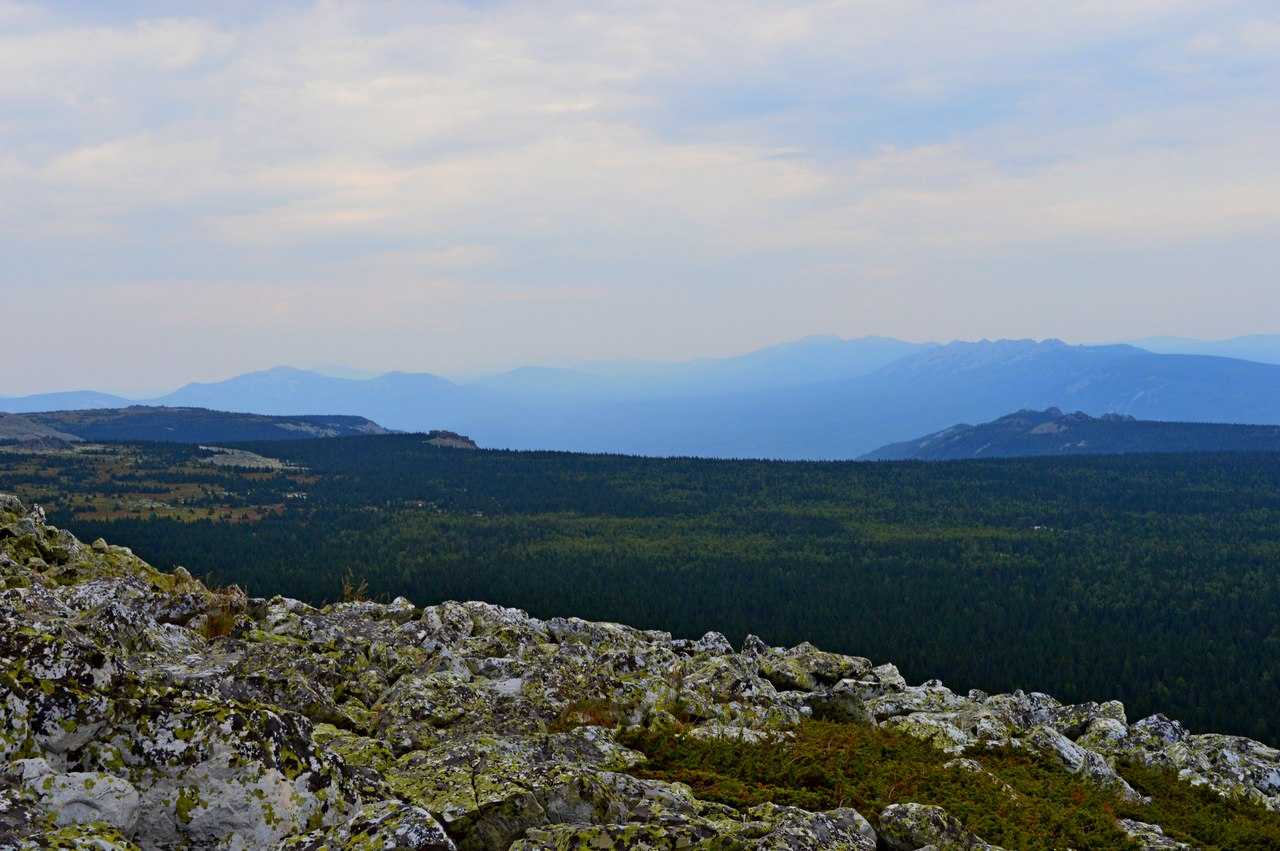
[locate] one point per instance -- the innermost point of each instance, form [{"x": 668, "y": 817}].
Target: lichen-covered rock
[
  {"x": 1078, "y": 760},
  {"x": 79, "y": 797},
  {"x": 384, "y": 826},
  {"x": 805, "y": 667},
  {"x": 729, "y": 732},
  {"x": 20, "y": 814},
  {"x": 931, "y": 697},
  {"x": 973, "y": 767},
  {"x": 489, "y": 791},
  {"x": 794, "y": 829},
  {"x": 140, "y": 709},
  {"x": 1230, "y": 765},
  {"x": 1150, "y": 837},
  {"x": 97, "y": 836},
  {"x": 1233, "y": 766},
  {"x": 907, "y": 827},
  {"x": 944, "y": 731},
  {"x": 415, "y": 711},
  {"x": 207, "y": 770},
  {"x": 764, "y": 828}
]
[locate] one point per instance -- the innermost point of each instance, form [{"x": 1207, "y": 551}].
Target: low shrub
[{"x": 1018, "y": 802}]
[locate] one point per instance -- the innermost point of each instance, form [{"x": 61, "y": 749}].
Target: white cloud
[
  {"x": 520, "y": 147},
  {"x": 76, "y": 62},
  {"x": 1246, "y": 39}
]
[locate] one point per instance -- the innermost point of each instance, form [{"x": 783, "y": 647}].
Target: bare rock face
[{"x": 143, "y": 710}]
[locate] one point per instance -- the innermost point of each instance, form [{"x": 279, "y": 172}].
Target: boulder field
[{"x": 142, "y": 709}]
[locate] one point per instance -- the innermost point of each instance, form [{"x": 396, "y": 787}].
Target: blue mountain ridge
[{"x": 817, "y": 398}]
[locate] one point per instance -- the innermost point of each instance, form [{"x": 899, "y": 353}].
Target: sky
[{"x": 191, "y": 193}]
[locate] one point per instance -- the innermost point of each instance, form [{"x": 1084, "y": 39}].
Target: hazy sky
[{"x": 449, "y": 186}]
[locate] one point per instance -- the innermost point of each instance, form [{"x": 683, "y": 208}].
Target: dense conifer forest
[{"x": 1152, "y": 579}]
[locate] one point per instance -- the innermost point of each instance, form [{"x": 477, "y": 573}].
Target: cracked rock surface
[{"x": 143, "y": 710}]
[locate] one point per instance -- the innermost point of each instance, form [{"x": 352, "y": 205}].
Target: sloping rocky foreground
[{"x": 143, "y": 710}]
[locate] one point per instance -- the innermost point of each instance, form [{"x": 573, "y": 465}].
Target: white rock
[{"x": 80, "y": 797}]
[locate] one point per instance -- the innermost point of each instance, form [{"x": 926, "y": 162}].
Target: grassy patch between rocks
[
  {"x": 1016, "y": 800},
  {"x": 1199, "y": 816}
]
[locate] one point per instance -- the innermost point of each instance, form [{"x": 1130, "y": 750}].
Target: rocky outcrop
[
  {"x": 450, "y": 440},
  {"x": 1150, "y": 837},
  {"x": 142, "y": 709}
]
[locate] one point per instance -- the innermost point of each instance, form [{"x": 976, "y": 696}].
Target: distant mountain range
[
  {"x": 173, "y": 425},
  {"x": 1264, "y": 348},
  {"x": 812, "y": 360},
  {"x": 815, "y": 398},
  {"x": 1051, "y": 432}
]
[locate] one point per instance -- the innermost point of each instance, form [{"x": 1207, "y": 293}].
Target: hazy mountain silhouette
[
  {"x": 1264, "y": 348},
  {"x": 812, "y": 360},
  {"x": 817, "y": 398},
  {"x": 72, "y": 400},
  {"x": 411, "y": 400}
]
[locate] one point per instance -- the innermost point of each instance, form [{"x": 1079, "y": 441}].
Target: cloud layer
[{"x": 466, "y": 185}]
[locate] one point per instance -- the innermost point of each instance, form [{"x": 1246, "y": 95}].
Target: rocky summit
[{"x": 142, "y": 709}]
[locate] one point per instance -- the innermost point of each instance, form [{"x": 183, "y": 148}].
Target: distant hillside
[
  {"x": 194, "y": 425},
  {"x": 15, "y": 428},
  {"x": 1051, "y": 432}
]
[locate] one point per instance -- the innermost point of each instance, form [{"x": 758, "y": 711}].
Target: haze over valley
[{"x": 815, "y": 398}]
